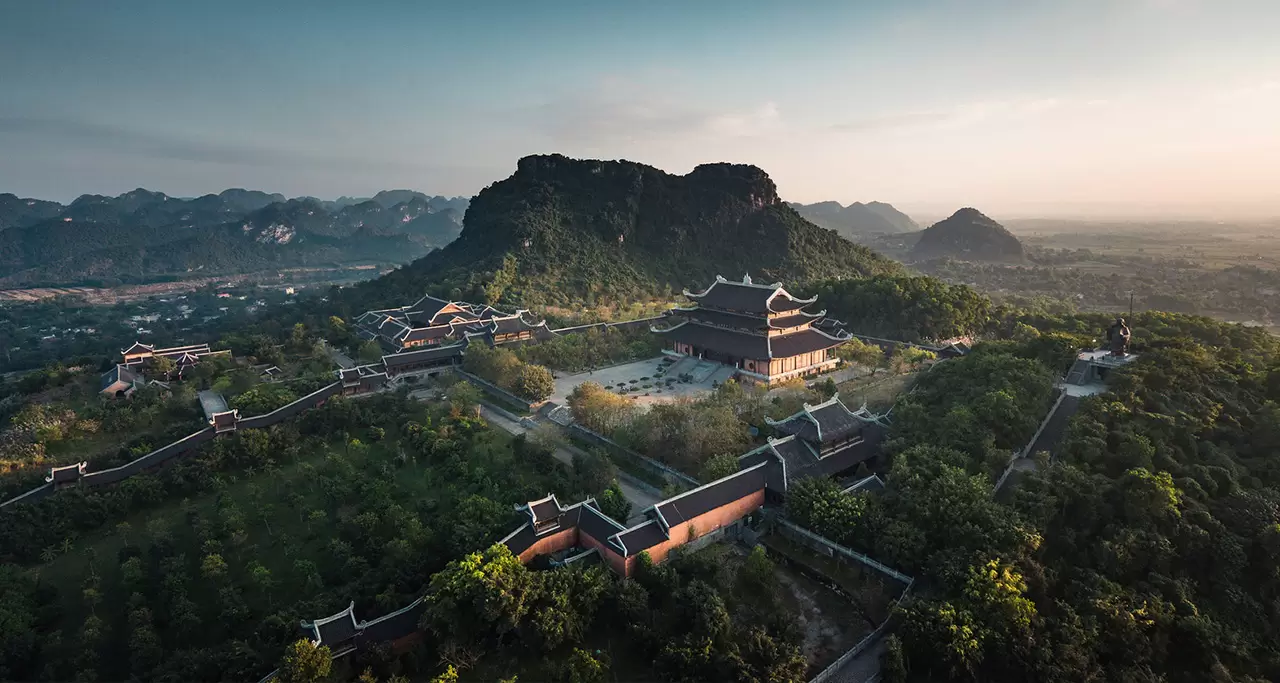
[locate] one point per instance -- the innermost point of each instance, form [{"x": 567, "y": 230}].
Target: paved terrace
[{"x": 705, "y": 375}]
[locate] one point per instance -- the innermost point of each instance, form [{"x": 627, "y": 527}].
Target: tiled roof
[
  {"x": 739, "y": 344},
  {"x": 690, "y": 504},
  {"x": 521, "y": 539},
  {"x": 803, "y": 341},
  {"x": 422, "y": 355},
  {"x": 59, "y": 475},
  {"x": 871, "y": 484},
  {"x": 212, "y": 403},
  {"x": 797, "y": 319},
  {"x": 738, "y": 296},
  {"x": 639, "y": 538},
  {"x": 543, "y": 510},
  {"x": 120, "y": 373},
  {"x": 801, "y": 460},
  {"x": 597, "y": 525},
  {"x": 334, "y": 629},
  {"x": 751, "y": 323},
  {"x": 822, "y": 423},
  {"x": 395, "y": 625}
]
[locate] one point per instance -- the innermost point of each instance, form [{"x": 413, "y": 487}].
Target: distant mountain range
[
  {"x": 571, "y": 231},
  {"x": 968, "y": 235},
  {"x": 143, "y": 235},
  {"x": 857, "y": 220}
]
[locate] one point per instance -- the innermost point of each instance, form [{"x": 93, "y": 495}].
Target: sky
[{"x": 1021, "y": 108}]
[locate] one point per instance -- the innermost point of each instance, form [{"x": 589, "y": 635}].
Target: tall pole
[{"x": 1131, "y": 305}]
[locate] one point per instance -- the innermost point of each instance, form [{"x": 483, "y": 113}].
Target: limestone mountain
[
  {"x": 968, "y": 235},
  {"x": 857, "y": 219},
  {"x": 142, "y": 235},
  {"x": 562, "y": 230},
  {"x": 20, "y": 211}
]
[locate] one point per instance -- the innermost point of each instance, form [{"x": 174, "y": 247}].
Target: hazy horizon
[{"x": 1090, "y": 109}]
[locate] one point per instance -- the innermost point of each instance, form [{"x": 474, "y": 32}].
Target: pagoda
[{"x": 762, "y": 330}]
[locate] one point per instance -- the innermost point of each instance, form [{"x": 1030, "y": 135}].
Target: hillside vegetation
[
  {"x": 141, "y": 235},
  {"x": 564, "y": 230},
  {"x": 968, "y": 235}
]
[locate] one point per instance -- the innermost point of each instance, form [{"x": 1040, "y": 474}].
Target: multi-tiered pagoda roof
[{"x": 746, "y": 320}]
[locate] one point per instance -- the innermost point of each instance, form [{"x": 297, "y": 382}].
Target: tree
[
  {"x": 303, "y": 662},
  {"x": 597, "y": 409},
  {"x": 614, "y": 503},
  {"x": 263, "y": 399},
  {"x": 581, "y": 667},
  {"x": 820, "y": 505},
  {"x": 861, "y": 353},
  {"x": 479, "y": 597},
  {"x": 534, "y": 382},
  {"x": 213, "y": 567},
  {"x": 719, "y": 467},
  {"x": 164, "y": 366},
  {"x": 370, "y": 352},
  {"x": 465, "y": 397}
]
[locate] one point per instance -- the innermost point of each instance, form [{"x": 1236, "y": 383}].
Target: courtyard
[{"x": 649, "y": 381}]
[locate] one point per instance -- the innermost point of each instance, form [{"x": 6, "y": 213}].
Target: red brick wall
[
  {"x": 560, "y": 540},
  {"x": 611, "y": 557},
  {"x": 703, "y": 524}
]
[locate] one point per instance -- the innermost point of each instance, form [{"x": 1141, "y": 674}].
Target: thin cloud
[
  {"x": 158, "y": 146},
  {"x": 958, "y": 116},
  {"x": 621, "y": 112}
]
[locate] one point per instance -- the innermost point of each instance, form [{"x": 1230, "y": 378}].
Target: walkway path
[{"x": 638, "y": 497}]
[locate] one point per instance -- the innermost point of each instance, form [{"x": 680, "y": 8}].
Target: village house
[{"x": 762, "y": 330}]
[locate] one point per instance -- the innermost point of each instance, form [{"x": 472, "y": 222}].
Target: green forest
[{"x": 1146, "y": 551}]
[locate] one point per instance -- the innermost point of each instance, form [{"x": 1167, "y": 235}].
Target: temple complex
[
  {"x": 129, "y": 373},
  {"x": 432, "y": 322},
  {"x": 183, "y": 356},
  {"x": 762, "y": 330},
  {"x": 824, "y": 440}
]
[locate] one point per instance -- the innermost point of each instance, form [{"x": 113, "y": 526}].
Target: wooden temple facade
[{"x": 762, "y": 330}]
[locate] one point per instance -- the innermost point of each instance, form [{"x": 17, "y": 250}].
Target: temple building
[
  {"x": 121, "y": 381},
  {"x": 222, "y": 417},
  {"x": 432, "y": 322},
  {"x": 183, "y": 356},
  {"x": 824, "y": 440},
  {"x": 762, "y": 330},
  {"x": 342, "y": 634}
]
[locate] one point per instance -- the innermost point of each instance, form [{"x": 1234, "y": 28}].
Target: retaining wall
[
  {"x": 653, "y": 466},
  {"x": 623, "y": 325},
  {"x": 497, "y": 391}
]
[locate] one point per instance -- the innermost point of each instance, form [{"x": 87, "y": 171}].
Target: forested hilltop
[
  {"x": 562, "y": 230},
  {"x": 141, "y": 236}
]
